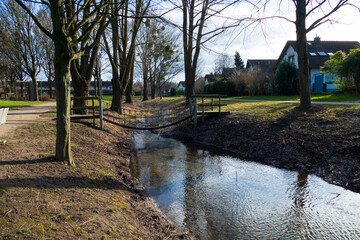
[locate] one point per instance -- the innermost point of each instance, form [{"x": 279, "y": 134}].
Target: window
[
  {"x": 330, "y": 79},
  {"x": 291, "y": 59},
  {"x": 322, "y": 53},
  {"x": 330, "y": 53},
  {"x": 312, "y": 53}
]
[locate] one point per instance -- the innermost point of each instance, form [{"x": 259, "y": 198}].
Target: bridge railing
[
  {"x": 147, "y": 118},
  {"x": 207, "y": 104}
]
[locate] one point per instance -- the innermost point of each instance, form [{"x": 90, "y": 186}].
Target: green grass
[
  {"x": 320, "y": 97},
  {"x": 271, "y": 111},
  {"x": 18, "y": 104}
]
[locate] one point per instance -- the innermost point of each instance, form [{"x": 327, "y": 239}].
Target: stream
[{"x": 216, "y": 196}]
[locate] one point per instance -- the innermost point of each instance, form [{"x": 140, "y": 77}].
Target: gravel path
[{"x": 26, "y": 115}]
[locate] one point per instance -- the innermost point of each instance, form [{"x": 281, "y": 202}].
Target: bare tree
[
  {"x": 159, "y": 55},
  {"x": 23, "y": 41},
  {"x": 122, "y": 55},
  {"x": 65, "y": 35},
  {"x": 82, "y": 68},
  {"x": 196, "y": 14},
  {"x": 47, "y": 54},
  {"x": 222, "y": 61}
]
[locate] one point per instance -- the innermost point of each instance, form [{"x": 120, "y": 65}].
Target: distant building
[
  {"x": 318, "y": 52},
  {"x": 181, "y": 85},
  {"x": 266, "y": 66}
]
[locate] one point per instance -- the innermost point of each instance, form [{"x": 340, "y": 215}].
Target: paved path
[
  {"x": 325, "y": 103},
  {"x": 26, "y": 115}
]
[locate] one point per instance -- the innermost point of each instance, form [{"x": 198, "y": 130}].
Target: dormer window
[{"x": 291, "y": 58}]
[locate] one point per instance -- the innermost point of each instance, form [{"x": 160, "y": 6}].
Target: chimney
[{"x": 317, "y": 40}]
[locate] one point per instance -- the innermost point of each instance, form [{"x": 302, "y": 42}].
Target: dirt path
[{"x": 26, "y": 115}]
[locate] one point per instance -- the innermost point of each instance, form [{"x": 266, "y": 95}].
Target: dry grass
[{"x": 98, "y": 199}]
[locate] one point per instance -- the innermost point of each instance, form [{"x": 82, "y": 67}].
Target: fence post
[{"x": 101, "y": 114}]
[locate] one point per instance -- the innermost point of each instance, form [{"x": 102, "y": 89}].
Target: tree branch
[{"x": 42, "y": 28}]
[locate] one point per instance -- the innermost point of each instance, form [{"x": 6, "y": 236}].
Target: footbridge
[{"x": 141, "y": 117}]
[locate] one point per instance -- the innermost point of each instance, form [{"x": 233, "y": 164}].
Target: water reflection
[{"x": 220, "y": 197}]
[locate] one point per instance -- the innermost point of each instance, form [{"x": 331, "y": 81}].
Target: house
[
  {"x": 226, "y": 73},
  {"x": 181, "y": 85},
  {"x": 209, "y": 78},
  {"x": 318, "y": 52},
  {"x": 266, "y": 66}
]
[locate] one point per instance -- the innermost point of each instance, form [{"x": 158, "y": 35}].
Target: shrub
[
  {"x": 221, "y": 86},
  {"x": 44, "y": 97},
  {"x": 172, "y": 92},
  {"x": 180, "y": 92},
  {"x": 286, "y": 79},
  {"x": 346, "y": 85},
  {"x": 252, "y": 83}
]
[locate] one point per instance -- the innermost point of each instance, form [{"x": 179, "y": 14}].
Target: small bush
[
  {"x": 346, "y": 86},
  {"x": 221, "y": 86},
  {"x": 286, "y": 79},
  {"x": 180, "y": 92},
  {"x": 253, "y": 83},
  {"x": 172, "y": 92},
  {"x": 44, "y": 97}
]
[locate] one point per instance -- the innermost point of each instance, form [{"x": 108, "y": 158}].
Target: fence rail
[{"x": 147, "y": 118}]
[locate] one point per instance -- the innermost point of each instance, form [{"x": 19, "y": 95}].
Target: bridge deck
[{"x": 212, "y": 113}]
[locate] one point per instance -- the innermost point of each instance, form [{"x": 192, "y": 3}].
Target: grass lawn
[
  {"x": 320, "y": 97},
  {"x": 267, "y": 111},
  {"x": 270, "y": 111},
  {"x": 18, "y": 104}
]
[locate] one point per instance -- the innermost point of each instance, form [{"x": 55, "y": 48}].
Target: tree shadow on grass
[
  {"x": 34, "y": 161},
  {"x": 122, "y": 182},
  {"x": 59, "y": 182}
]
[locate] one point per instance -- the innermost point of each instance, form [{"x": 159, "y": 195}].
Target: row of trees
[
  {"x": 77, "y": 28},
  {"x": 77, "y": 33},
  {"x": 24, "y": 50}
]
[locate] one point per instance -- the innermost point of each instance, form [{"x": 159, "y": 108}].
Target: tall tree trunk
[
  {"x": 116, "y": 99},
  {"x": 81, "y": 89},
  {"x": 145, "y": 90},
  {"x": 303, "y": 59},
  {"x": 22, "y": 89},
  {"x": 50, "y": 87},
  {"x": 36, "y": 90},
  {"x": 153, "y": 89},
  {"x": 129, "y": 88},
  {"x": 62, "y": 81}
]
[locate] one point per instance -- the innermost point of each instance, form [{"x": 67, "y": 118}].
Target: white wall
[{"x": 291, "y": 52}]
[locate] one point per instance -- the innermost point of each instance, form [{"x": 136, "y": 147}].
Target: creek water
[{"x": 221, "y": 197}]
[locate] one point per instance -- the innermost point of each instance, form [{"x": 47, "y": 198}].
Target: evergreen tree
[{"x": 239, "y": 63}]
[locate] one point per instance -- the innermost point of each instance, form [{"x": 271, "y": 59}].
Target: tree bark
[
  {"x": 303, "y": 59},
  {"x": 36, "y": 91},
  {"x": 145, "y": 78},
  {"x": 81, "y": 88},
  {"x": 190, "y": 57},
  {"x": 129, "y": 88},
  {"x": 62, "y": 81}
]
